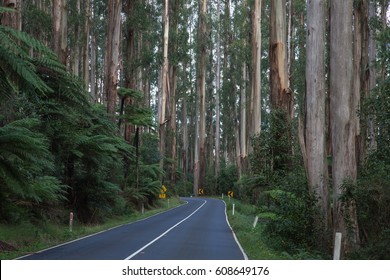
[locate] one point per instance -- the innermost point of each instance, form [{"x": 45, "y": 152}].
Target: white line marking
[
  {"x": 103, "y": 231},
  {"x": 164, "y": 233},
  {"x": 234, "y": 235}
]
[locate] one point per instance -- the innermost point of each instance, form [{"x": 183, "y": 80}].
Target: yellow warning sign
[
  {"x": 163, "y": 192},
  {"x": 163, "y": 189},
  {"x": 230, "y": 193},
  {"x": 162, "y": 195},
  {"x": 200, "y": 192}
]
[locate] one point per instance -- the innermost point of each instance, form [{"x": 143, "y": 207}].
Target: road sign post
[{"x": 233, "y": 208}]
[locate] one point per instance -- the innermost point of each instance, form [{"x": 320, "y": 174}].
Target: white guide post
[
  {"x": 71, "y": 221},
  {"x": 337, "y": 246},
  {"x": 255, "y": 221}
]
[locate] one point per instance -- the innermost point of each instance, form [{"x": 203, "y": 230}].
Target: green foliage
[
  {"x": 278, "y": 187},
  {"x": 372, "y": 192},
  {"x": 55, "y": 148},
  {"x": 18, "y": 70},
  {"x": 290, "y": 213},
  {"x": 184, "y": 188},
  {"x": 142, "y": 183},
  {"x": 24, "y": 158},
  {"x": 377, "y": 108},
  {"x": 227, "y": 176},
  {"x": 36, "y": 22},
  {"x": 372, "y": 196}
]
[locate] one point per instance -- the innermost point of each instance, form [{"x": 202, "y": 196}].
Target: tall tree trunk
[
  {"x": 384, "y": 44},
  {"x": 226, "y": 120},
  {"x": 343, "y": 118},
  {"x": 281, "y": 95},
  {"x": 112, "y": 55},
  {"x": 217, "y": 95},
  {"x": 201, "y": 86},
  {"x": 164, "y": 85},
  {"x": 243, "y": 101},
  {"x": 75, "y": 50},
  {"x": 59, "y": 21},
  {"x": 93, "y": 82},
  {"x": 85, "y": 66},
  {"x": 315, "y": 119},
  {"x": 236, "y": 123},
  {"x": 184, "y": 151},
  {"x": 174, "y": 81},
  {"x": 255, "y": 96},
  {"x": 372, "y": 72},
  {"x": 289, "y": 40},
  {"x": 172, "y": 125},
  {"x": 210, "y": 107},
  {"x": 130, "y": 72},
  {"x": 364, "y": 81},
  {"x": 357, "y": 81},
  {"x": 243, "y": 114}
]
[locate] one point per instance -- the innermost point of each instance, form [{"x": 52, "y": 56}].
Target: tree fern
[
  {"x": 24, "y": 157},
  {"x": 53, "y": 143},
  {"x": 16, "y": 62}
]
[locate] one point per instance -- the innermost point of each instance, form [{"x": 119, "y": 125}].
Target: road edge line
[
  {"x": 96, "y": 233},
  {"x": 234, "y": 235}
]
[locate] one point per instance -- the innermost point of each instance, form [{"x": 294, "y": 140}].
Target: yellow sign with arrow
[{"x": 163, "y": 192}]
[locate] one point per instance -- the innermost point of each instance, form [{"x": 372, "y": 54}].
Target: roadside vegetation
[{"x": 257, "y": 242}]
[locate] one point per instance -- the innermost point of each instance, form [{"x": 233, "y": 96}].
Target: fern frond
[
  {"x": 6, "y": 10},
  {"x": 26, "y": 41},
  {"x": 131, "y": 93},
  {"x": 21, "y": 70},
  {"x": 48, "y": 189}
]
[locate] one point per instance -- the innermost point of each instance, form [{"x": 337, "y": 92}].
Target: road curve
[{"x": 197, "y": 230}]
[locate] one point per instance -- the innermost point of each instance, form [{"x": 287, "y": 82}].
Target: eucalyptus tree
[
  {"x": 217, "y": 91},
  {"x": 113, "y": 55},
  {"x": 255, "y": 96},
  {"x": 164, "y": 84},
  {"x": 200, "y": 166},
  {"x": 315, "y": 154},
  {"x": 243, "y": 90},
  {"x": 372, "y": 71},
  {"x": 281, "y": 96},
  {"x": 343, "y": 123},
  {"x": 59, "y": 22}
]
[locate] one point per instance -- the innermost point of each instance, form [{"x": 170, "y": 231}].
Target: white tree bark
[
  {"x": 255, "y": 102},
  {"x": 164, "y": 84},
  {"x": 315, "y": 119},
  {"x": 343, "y": 123}
]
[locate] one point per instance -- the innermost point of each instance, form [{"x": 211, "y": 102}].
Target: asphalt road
[{"x": 197, "y": 230}]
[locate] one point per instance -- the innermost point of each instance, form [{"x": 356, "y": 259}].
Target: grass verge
[
  {"x": 25, "y": 238},
  {"x": 250, "y": 238}
]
